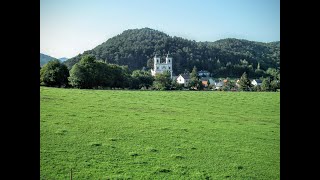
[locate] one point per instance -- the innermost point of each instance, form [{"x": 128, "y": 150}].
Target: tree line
[{"x": 90, "y": 73}]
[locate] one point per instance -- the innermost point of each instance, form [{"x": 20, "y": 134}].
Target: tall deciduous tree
[
  {"x": 54, "y": 74},
  {"x": 141, "y": 79},
  {"x": 84, "y": 74},
  {"x": 89, "y": 73},
  {"x": 162, "y": 81},
  {"x": 265, "y": 86}
]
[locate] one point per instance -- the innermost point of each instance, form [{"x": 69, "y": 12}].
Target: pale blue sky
[{"x": 69, "y": 27}]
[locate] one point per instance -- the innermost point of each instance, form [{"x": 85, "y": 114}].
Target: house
[
  {"x": 215, "y": 82},
  {"x": 219, "y": 85},
  {"x": 211, "y": 81},
  {"x": 256, "y": 82},
  {"x": 203, "y": 73},
  {"x": 204, "y": 81},
  {"x": 183, "y": 79}
]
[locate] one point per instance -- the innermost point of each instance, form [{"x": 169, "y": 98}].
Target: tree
[
  {"x": 141, "y": 79},
  {"x": 162, "y": 81},
  {"x": 274, "y": 85},
  {"x": 54, "y": 74},
  {"x": 274, "y": 73},
  {"x": 84, "y": 74},
  {"x": 229, "y": 85},
  {"x": 194, "y": 79},
  {"x": 265, "y": 85},
  {"x": 256, "y": 88},
  {"x": 90, "y": 73},
  {"x": 244, "y": 83},
  {"x": 175, "y": 85}
]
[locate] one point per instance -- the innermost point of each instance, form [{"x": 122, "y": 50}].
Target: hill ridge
[{"x": 136, "y": 48}]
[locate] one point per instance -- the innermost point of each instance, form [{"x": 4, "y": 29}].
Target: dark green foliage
[
  {"x": 89, "y": 73},
  {"x": 176, "y": 86},
  {"x": 245, "y": 83},
  {"x": 265, "y": 86},
  {"x": 273, "y": 73},
  {"x": 162, "y": 81},
  {"x": 229, "y": 85},
  {"x": 140, "y": 79},
  {"x": 225, "y": 58},
  {"x": 275, "y": 84},
  {"x": 194, "y": 79},
  {"x": 256, "y": 88},
  {"x": 54, "y": 74}
]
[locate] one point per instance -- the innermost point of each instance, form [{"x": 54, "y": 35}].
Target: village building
[
  {"x": 203, "y": 73},
  {"x": 256, "y": 82},
  {"x": 183, "y": 79},
  {"x": 206, "y": 81},
  {"x": 159, "y": 67}
]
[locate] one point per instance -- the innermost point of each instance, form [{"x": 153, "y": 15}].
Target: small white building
[
  {"x": 159, "y": 67},
  {"x": 256, "y": 82},
  {"x": 183, "y": 79}
]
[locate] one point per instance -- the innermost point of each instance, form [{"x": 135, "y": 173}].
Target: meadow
[{"x": 108, "y": 134}]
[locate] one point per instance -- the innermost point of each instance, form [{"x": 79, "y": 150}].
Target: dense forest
[{"x": 223, "y": 58}]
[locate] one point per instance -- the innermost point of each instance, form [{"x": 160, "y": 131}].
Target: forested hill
[
  {"x": 45, "y": 58},
  {"x": 226, "y": 57}
]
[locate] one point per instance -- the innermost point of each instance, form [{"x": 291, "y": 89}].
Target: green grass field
[{"x": 105, "y": 134}]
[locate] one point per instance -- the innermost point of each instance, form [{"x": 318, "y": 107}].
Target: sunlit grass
[{"x": 104, "y": 134}]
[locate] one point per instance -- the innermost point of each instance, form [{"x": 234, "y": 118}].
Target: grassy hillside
[{"x": 104, "y": 134}]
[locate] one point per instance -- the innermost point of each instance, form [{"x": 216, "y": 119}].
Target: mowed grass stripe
[{"x": 105, "y": 134}]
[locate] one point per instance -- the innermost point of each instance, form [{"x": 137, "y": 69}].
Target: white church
[{"x": 159, "y": 67}]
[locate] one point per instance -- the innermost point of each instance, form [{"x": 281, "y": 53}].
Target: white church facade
[{"x": 159, "y": 67}]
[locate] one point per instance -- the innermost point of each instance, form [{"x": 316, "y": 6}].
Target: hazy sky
[{"x": 69, "y": 27}]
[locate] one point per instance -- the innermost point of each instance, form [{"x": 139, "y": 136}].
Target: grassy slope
[{"x": 159, "y": 135}]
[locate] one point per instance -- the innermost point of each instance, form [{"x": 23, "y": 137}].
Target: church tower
[
  {"x": 156, "y": 63},
  {"x": 169, "y": 63},
  {"x": 159, "y": 67}
]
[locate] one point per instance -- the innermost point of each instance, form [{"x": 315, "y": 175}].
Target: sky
[{"x": 70, "y": 27}]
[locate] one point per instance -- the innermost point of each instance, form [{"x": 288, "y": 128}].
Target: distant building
[
  {"x": 256, "y": 82},
  {"x": 219, "y": 85},
  {"x": 183, "y": 79},
  {"x": 204, "y": 81},
  {"x": 159, "y": 67},
  {"x": 211, "y": 81},
  {"x": 203, "y": 73}
]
